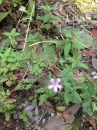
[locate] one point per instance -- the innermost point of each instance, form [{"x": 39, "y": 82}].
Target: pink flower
[{"x": 55, "y": 84}]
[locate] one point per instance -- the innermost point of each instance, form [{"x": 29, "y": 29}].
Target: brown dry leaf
[
  {"x": 48, "y": 107},
  {"x": 67, "y": 116},
  {"x": 92, "y": 53},
  {"x": 60, "y": 124},
  {"x": 55, "y": 70},
  {"x": 78, "y": 76},
  {"x": 14, "y": 77},
  {"x": 93, "y": 122},
  {"x": 9, "y": 83},
  {"x": 58, "y": 116},
  {"x": 94, "y": 23},
  {"x": 94, "y": 33},
  {"x": 21, "y": 41},
  {"x": 94, "y": 62}
]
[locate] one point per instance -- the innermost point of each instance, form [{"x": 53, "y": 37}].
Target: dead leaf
[
  {"x": 14, "y": 77},
  {"x": 94, "y": 33},
  {"x": 21, "y": 41},
  {"x": 58, "y": 116},
  {"x": 61, "y": 108},
  {"x": 48, "y": 107},
  {"x": 60, "y": 124},
  {"x": 94, "y": 62},
  {"x": 94, "y": 23},
  {"x": 78, "y": 76},
  {"x": 9, "y": 83},
  {"x": 93, "y": 122},
  {"x": 92, "y": 53},
  {"x": 67, "y": 116},
  {"x": 55, "y": 70}
]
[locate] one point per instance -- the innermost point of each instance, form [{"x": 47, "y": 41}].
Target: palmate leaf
[{"x": 42, "y": 99}]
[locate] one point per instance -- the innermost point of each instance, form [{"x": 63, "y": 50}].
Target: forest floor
[{"x": 43, "y": 42}]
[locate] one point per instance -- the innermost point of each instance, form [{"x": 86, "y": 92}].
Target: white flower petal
[
  {"x": 55, "y": 89},
  {"x": 58, "y": 80},
  {"x": 59, "y": 86},
  {"x": 52, "y": 81},
  {"x": 50, "y": 86}
]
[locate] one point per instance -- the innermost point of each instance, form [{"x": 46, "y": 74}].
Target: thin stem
[{"x": 41, "y": 42}]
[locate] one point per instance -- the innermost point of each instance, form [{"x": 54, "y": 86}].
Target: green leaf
[
  {"x": 91, "y": 88},
  {"x": 70, "y": 59},
  {"x": 7, "y": 34},
  {"x": 67, "y": 47},
  {"x": 76, "y": 97},
  {"x": 47, "y": 8},
  {"x": 7, "y": 52},
  {"x": 46, "y": 18},
  {"x": 67, "y": 97},
  {"x": 11, "y": 59},
  {"x": 42, "y": 99},
  {"x": 75, "y": 64},
  {"x": 77, "y": 44},
  {"x": 28, "y": 86},
  {"x": 83, "y": 65},
  {"x": 67, "y": 33},
  {"x": 94, "y": 106},
  {"x": 12, "y": 40},
  {"x": 32, "y": 37},
  {"x": 67, "y": 87},
  {"x": 23, "y": 9},
  {"x": 46, "y": 26},
  {"x": 87, "y": 106},
  {"x": 34, "y": 101},
  {"x": 7, "y": 116},
  {"x": 85, "y": 95},
  {"x": 1, "y": 1},
  {"x": 3, "y": 15},
  {"x": 31, "y": 8},
  {"x": 40, "y": 90}
]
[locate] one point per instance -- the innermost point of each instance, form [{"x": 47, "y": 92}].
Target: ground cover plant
[{"x": 44, "y": 65}]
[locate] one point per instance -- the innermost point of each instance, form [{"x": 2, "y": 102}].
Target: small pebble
[
  {"x": 15, "y": 116},
  {"x": 95, "y": 77},
  {"x": 43, "y": 121},
  {"x": 93, "y": 73},
  {"x": 52, "y": 114},
  {"x": 82, "y": 124}
]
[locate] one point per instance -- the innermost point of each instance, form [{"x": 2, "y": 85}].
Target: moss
[{"x": 75, "y": 124}]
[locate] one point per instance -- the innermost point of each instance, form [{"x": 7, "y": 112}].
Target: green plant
[
  {"x": 82, "y": 91},
  {"x": 16, "y": 2},
  {"x": 1, "y": 1},
  {"x": 24, "y": 116},
  {"x": 30, "y": 11},
  {"x": 12, "y": 37},
  {"x": 9, "y": 62},
  {"x": 7, "y": 105},
  {"x": 47, "y": 18}
]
